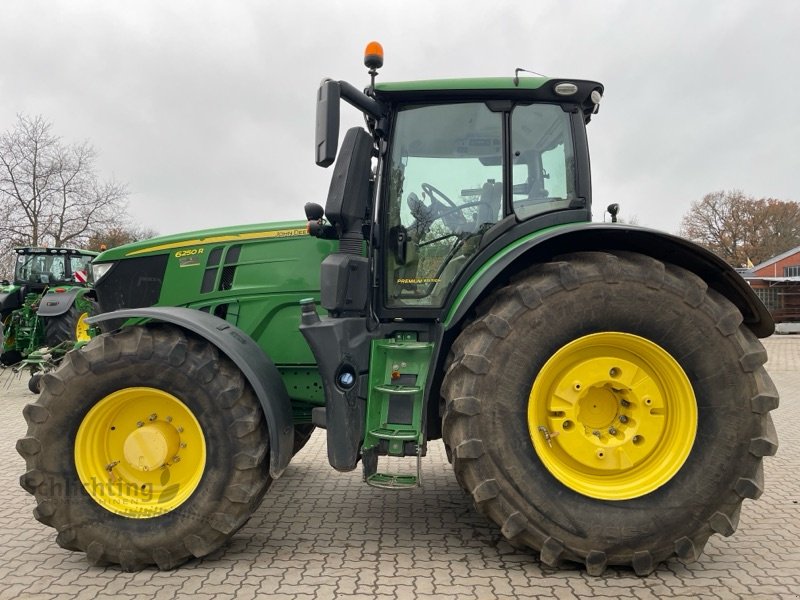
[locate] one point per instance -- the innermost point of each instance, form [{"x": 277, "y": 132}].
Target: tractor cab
[
  {"x": 450, "y": 181},
  {"x": 445, "y": 168},
  {"x": 37, "y": 268},
  {"x": 445, "y": 175}
]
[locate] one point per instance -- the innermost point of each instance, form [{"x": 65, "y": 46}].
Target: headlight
[{"x": 100, "y": 269}]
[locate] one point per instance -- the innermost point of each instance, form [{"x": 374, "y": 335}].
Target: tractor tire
[
  {"x": 35, "y": 383},
  {"x": 609, "y": 409},
  {"x": 67, "y": 327},
  {"x": 146, "y": 446}
]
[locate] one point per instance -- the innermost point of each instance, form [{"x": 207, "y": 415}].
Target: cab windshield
[
  {"x": 446, "y": 187},
  {"x": 47, "y": 268}
]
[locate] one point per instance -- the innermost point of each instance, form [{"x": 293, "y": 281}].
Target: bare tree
[
  {"x": 50, "y": 193},
  {"x": 778, "y": 227},
  {"x": 119, "y": 235},
  {"x": 740, "y": 228}
]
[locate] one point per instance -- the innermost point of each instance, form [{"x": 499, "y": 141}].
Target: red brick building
[{"x": 777, "y": 283}]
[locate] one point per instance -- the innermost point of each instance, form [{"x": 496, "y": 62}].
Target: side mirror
[
  {"x": 314, "y": 212},
  {"x": 327, "y": 133}
]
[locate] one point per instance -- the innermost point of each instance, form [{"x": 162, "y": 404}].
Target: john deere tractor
[
  {"x": 46, "y": 305},
  {"x": 599, "y": 388}
]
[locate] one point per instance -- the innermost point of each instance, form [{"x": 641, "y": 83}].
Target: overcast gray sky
[{"x": 206, "y": 109}]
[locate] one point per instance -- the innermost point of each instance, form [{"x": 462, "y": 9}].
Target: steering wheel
[
  {"x": 432, "y": 191},
  {"x": 444, "y": 208},
  {"x": 440, "y": 211}
]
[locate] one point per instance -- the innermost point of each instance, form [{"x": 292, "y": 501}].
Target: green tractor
[
  {"x": 599, "y": 388},
  {"x": 46, "y": 305}
]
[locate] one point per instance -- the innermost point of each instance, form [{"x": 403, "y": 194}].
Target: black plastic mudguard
[
  {"x": 10, "y": 301},
  {"x": 256, "y": 367},
  {"x": 604, "y": 237},
  {"x": 53, "y": 303}
]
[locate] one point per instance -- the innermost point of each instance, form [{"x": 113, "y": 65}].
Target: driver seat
[{"x": 489, "y": 208}]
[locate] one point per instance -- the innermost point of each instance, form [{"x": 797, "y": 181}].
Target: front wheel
[
  {"x": 609, "y": 410},
  {"x": 35, "y": 383},
  {"x": 146, "y": 446}
]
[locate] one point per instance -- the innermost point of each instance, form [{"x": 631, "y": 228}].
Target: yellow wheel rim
[
  {"x": 82, "y": 328},
  {"x": 140, "y": 452},
  {"x": 612, "y": 416}
]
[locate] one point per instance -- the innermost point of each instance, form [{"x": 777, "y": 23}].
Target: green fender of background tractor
[
  {"x": 257, "y": 368},
  {"x": 499, "y": 260},
  {"x": 55, "y": 303}
]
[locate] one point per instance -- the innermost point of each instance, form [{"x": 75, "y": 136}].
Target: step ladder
[{"x": 395, "y": 412}]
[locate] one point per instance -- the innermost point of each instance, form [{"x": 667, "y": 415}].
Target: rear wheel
[
  {"x": 70, "y": 326},
  {"x": 146, "y": 446},
  {"x": 609, "y": 410}
]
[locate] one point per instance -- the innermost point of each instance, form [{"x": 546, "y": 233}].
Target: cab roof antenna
[{"x": 517, "y": 71}]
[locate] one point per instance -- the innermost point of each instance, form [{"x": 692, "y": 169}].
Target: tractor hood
[
  {"x": 239, "y": 273},
  {"x": 165, "y": 244}
]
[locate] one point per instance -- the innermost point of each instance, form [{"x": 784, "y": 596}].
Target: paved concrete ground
[{"x": 320, "y": 534}]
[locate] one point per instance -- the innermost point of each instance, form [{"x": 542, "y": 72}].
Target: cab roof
[
  {"x": 57, "y": 250},
  {"x": 535, "y": 89}
]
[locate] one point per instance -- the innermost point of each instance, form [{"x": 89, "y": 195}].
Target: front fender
[
  {"x": 500, "y": 260},
  {"x": 257, "y": 368}
]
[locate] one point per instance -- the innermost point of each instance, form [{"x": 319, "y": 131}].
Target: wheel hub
[
  {"x": 597, "y": 408},
  {"x": 612, "y": 416},
  {"x": 151, "y": 446}
]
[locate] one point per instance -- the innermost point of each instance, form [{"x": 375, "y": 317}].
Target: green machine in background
[
  {"x": 599, "y": 388},
  {"x": 45, "y": 307}
]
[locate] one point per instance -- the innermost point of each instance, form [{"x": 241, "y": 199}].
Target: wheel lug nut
[
  {"x": 625, "y": 403},
  {"x": 176, "y": 459},
  {"x": 153, "y": 417},
  {"x": 139, "y": 424},
  {"x": 596, "y": 433},
  {"x": 169, "y": 419},
  {"x": 623, "y": 419},
  {"x": 612, "y": 431},
  {"x": 180, "y": 429},
  {"x": 183, "y": 444}
]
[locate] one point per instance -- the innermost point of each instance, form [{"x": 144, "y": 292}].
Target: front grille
[{"x": 132, "y": 283}]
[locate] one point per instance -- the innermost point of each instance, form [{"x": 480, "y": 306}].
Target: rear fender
[
  {"x": 55, "y": 303},
  {"x": 501, "y": 261},
  {"x": 257, "y": 368}
]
